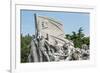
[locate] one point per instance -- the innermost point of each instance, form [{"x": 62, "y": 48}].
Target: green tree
[
  {"x": 86, "y": 40},
  {"x": 67, "y": 36},
  {"x": 25, "y": 42},
  {"x": 78, "y": 38}
]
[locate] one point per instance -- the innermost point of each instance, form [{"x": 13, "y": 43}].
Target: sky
[{"x": 72, "y": 21}]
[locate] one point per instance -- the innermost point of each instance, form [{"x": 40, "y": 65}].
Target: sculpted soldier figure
[{"x": 49, "y": 43}]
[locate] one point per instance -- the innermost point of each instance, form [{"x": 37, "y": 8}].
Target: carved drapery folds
[{"x": 48, "y": 43}]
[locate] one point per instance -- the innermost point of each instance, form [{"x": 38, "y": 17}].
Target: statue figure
[{"x": 48, "y": 44}]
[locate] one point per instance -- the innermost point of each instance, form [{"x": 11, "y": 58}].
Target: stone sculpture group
[{"x": 47, "y": 47}]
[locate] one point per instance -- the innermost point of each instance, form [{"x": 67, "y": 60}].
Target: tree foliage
[
  {"x": 25, "y": 43},
  {"x": 78, "y": 38}
]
